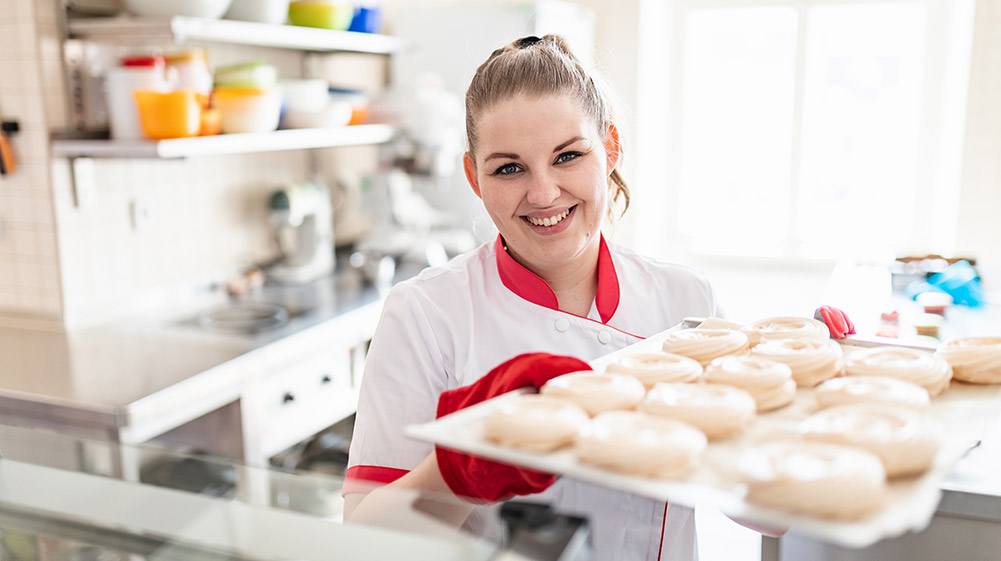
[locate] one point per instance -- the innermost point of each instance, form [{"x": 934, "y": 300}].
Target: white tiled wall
[{"x": 29, "y": 262}]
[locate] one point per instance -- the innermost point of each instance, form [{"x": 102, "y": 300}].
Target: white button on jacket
[{"x": 452, "y": 324}]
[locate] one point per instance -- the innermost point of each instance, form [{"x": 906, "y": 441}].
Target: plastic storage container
[
  {"x": 192, "y": 71},
  {"x": 169, "y": 114},
  {"x": 135, "y": 73}
]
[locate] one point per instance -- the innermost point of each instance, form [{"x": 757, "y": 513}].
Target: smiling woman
[
  {"x": 543, "y": 151},
  {"x": 547, "y": 192}
]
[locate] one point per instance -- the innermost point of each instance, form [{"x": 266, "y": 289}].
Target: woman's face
[{"x": 541, "y": 168}]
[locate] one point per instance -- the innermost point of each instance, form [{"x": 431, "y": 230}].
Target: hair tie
[{"x": 526, "y": 41}]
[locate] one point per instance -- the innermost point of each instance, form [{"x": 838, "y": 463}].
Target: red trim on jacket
[
  {"x": 533, "y": 288},
  {"x": 361, "y": 479},
  {"x": 663, "y": 529}
]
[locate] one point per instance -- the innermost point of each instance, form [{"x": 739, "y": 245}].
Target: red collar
[{"x": 531, "y": 287}]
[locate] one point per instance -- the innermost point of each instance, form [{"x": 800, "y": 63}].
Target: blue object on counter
[
  {"x": 366, "y": 20},
  {"x": 960, "y": 280}
]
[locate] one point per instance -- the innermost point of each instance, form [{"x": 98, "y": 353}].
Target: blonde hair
[{"x": 541, "y": 66}]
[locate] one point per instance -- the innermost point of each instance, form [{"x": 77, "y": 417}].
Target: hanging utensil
[{"x": 7, "y": 162}]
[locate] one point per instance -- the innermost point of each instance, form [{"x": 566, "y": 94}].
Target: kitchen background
[
  {"x": 841, "y": 135},
  {"x": 78, "y": 264}
]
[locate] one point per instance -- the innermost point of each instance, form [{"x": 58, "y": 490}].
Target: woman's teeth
[{"x": 551, "y": 220}]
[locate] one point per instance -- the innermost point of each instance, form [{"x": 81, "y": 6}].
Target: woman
[{"x": 542, "y": 156}]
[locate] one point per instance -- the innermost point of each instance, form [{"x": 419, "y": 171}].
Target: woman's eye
[
  {"x": 566, "y": 157},
  {"x": 507, "y": 169}
]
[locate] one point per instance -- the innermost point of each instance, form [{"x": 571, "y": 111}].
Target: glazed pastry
[
  {"x": 811, "y": 361},
  {"x": 813, "y": 478},
  {"x": 975, "y": 359},
  {"x": 704, "y": 345},
  {"x": 786, "y": 328},
  {"x": 718, "y": 411},
  {"x": 849, "y": 390},
  {"x": 596, "y": 392},
  {"x": 922, "y": 368},
  {"x": 770, "y": 383},
  {"x": 533, "y": 422},
  {"x": 653, "y": 368},
  {"x": 900, "y": 437},
  {"x": 641, "y": 444}
]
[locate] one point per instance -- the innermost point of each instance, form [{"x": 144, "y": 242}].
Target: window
[{"x": 807, "y": 128}]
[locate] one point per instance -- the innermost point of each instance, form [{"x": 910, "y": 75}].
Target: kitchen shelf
[
  {"x": 178, "y": 29},
  {"x": 291, "y": 139}
]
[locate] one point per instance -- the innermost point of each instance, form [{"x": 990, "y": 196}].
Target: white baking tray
[{"x": 966, "y": 412}]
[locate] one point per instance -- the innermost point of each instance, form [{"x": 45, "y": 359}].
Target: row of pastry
[{"x": 653, "y": 413}]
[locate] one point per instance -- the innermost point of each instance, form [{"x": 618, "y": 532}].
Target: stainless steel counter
[{"x": 144, "y": 375}]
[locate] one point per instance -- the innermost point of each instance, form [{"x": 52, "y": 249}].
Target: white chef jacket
[{"x": 450, "y": 325}]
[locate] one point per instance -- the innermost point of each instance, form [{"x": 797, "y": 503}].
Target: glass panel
[
  {"x": 861, "y": 126},
  {"x": 68, "y": 498},
  {"x": 738, "y": 89}
]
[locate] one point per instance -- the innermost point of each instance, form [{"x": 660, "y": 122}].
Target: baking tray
[{"x": 965, "y": 411}]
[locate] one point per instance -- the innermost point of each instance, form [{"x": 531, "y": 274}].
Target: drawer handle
[
  {"x": 288, "y": 397},
  {"x": 326, "y": 379}
]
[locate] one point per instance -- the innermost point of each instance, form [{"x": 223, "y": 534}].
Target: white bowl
[
  {"x": 211, "y": 9},
  {"x": 335, "y": 114},
  {"x": 304, "y": 95},
  {"x": 263, "y": 11},
  {"x": 258, "y": 113}
]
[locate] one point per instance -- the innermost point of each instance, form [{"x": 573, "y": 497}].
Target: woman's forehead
[{"x": 527, "y": 124}]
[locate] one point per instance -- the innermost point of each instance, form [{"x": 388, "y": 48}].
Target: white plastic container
[
  {"x": 334, "y": 114},
  {"x": 305, "y": 96},
  {"x": 262, "y": 11},
  {"x": 120, "y": 82},
  {"x": 192, "y": 71},
  {"x": 252, "y": 113}
]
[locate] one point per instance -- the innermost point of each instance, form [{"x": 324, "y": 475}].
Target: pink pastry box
[{"x": 966, "y": 411}]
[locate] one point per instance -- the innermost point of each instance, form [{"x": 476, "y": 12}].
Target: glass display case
[{"x": 59, "y": 503}]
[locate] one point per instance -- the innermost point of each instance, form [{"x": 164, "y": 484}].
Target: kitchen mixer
[{"x": 301, "y": 216}]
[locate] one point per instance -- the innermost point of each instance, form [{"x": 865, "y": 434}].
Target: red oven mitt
[
  {"x": 481, "y": 480},
  {"x": 837, "y": 321}
]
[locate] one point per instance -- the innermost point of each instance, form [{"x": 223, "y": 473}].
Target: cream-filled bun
[
  {"x": 704, "y": 345},
  {"x": 811, "y": 361},
  {"x": 849, "y": 390},
  {"x": 533, "y": 422},
  {"x": 641, "y": 444},
  {"x": 786, "y": 328},
  {"x": 900, "y": 437},
  {"x": 652, "y": 368},
  {"x": 769, "y": 382},
  {"x": 920, "y": 367},
  {"x": 597, "y": 392},
  {"x": 818, "y": 479},
  {"x": 974, "y": 359},
  {"x": 718, "y": 411}
]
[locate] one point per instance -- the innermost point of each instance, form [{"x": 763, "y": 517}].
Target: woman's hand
[
  {"x": 837, "y": 321},
  {"x": 482, "y": 480}
]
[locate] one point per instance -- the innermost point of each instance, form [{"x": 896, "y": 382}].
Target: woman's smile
[{"x": 549, "y": 223}]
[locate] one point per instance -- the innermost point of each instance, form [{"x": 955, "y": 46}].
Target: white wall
[{"x": 979, "y": 231}]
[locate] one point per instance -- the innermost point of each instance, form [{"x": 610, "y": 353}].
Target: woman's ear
[
  {"x": 612, "y": 147},
  {"x": 469, "y": 165}
]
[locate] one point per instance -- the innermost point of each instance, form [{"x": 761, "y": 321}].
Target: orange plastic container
[{"x": 168, "y": 114}]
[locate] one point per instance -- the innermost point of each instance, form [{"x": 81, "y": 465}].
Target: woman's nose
[{"x": 543, "y": 191}]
